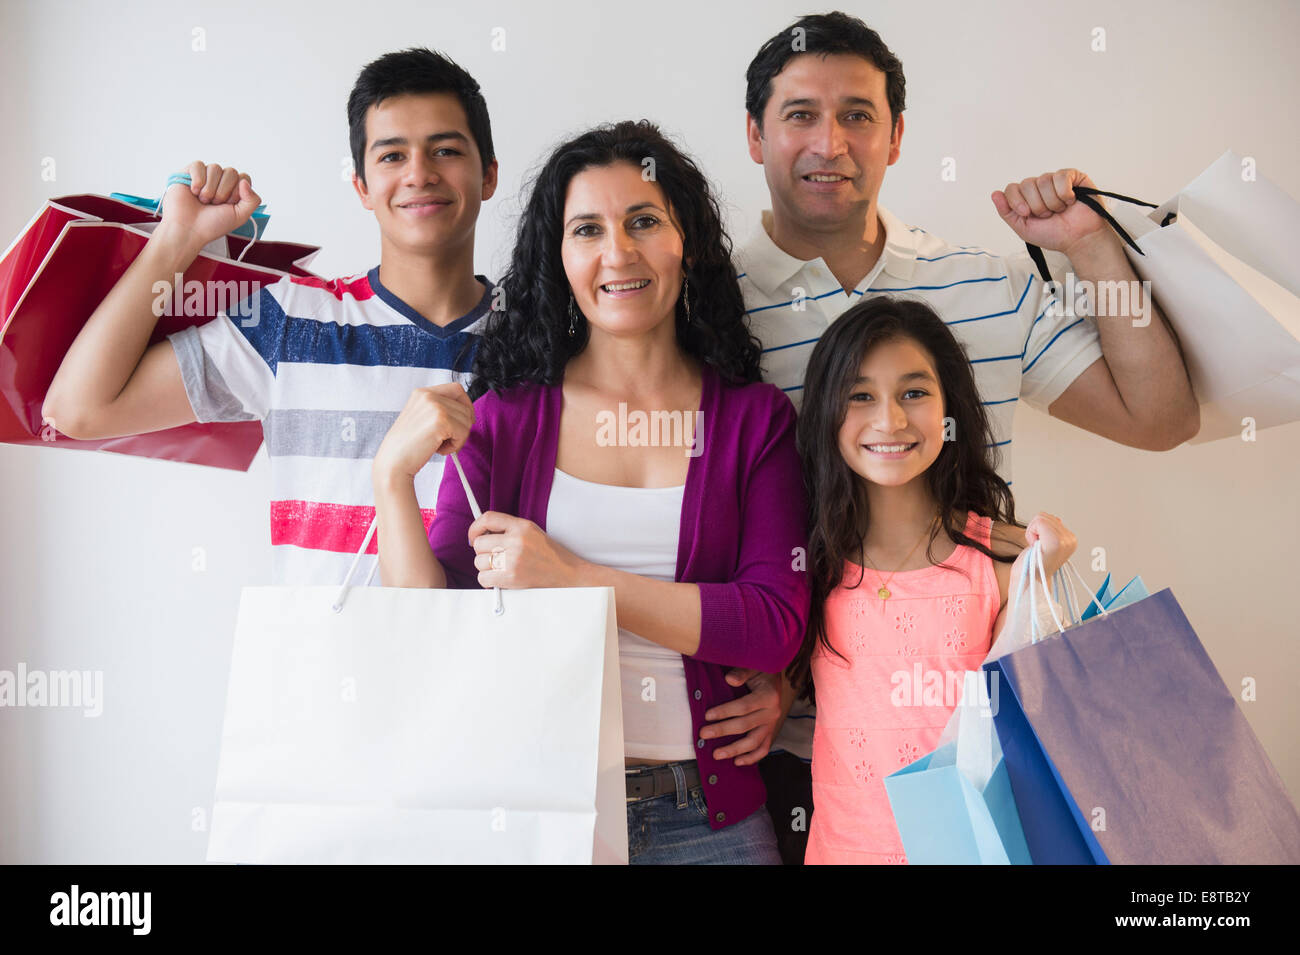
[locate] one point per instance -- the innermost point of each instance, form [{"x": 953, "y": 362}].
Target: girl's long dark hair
[
  {"x": 961, "y": 479},
  {"x": 528, "y": 340}
]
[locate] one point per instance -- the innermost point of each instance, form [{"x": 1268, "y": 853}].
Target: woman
[{"x": 621, "y": 438}]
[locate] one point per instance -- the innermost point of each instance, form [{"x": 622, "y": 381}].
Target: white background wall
[{"x": 96, "y": 571}]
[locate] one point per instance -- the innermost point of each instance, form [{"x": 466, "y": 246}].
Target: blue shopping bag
[
  {"x": 1124, "y": 745},
  {"x": 945, "y": 820},
  {"x": 1133, "y": 591},
  {"x": 254, "y": 228}
]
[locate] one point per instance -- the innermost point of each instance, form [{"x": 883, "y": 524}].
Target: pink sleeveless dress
[{"x": 884, "y": 705}]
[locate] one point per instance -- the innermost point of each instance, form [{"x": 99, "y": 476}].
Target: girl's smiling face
[{"x": 894, "y": 420}]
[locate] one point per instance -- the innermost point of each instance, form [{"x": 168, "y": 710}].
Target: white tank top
[{"x": 632, "y": 529}]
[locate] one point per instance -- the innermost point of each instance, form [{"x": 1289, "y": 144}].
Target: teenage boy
[
  {"x": 825, "y": 99},
  {"x": 325, "y": 365}
]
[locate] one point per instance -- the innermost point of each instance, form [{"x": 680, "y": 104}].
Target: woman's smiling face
[{"x": 622, "y": 250}]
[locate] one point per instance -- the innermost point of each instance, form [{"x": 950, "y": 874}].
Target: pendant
[{"x": 883, "y": 593}]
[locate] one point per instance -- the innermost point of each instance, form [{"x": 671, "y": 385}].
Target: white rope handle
[
  {"x": 1063, "y": 594},
  {"x": 1037, "y": 556},
  {"x": 337, "y": 606},
  {"x": 1024, "y": 584},
  {"x": 256, "y": 235},
  {"x": 497, "y": 607},
  {"x": 1092, "y": 596},
  {"x": 1060, "y": 582}
]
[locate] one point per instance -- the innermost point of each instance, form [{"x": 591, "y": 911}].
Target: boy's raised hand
[{"x": 218, "y": 200}]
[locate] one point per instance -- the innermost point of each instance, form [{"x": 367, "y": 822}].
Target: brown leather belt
[{"x": 647, "y": 782}]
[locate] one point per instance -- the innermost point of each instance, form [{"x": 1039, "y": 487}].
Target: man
[
  {"x": 326, "y": 366},
  {"x": 825, "y": 100}
]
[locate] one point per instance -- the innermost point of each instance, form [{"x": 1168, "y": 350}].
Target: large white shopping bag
[
  {"x": 1225, "y": 270},
  {"x": 419, "y": 726}
]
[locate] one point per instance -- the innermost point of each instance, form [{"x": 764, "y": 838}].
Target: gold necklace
[{"x": 883, "y": 593}]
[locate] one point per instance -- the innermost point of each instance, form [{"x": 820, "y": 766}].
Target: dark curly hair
[
  {"x": 962, "y": 478},
  {"x": 528, "y": 340}
]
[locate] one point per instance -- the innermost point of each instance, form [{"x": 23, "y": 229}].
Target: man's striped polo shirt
[
  {"x": 996, "y": 306},
  {"x": 1019, "y": 345},
  {"x": 326, "y": 366}
]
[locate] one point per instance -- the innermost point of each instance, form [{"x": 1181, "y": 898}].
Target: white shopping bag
[
  {"x": 422, "y": 726},
  {"x": 1226, "y": 273}
]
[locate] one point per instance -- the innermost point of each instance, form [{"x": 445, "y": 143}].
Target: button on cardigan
[{"x": 741, "y": 538}]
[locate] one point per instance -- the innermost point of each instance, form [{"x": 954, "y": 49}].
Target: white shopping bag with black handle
[{"x": 1221, "y": 257}]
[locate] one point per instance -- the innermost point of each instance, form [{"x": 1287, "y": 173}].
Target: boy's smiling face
[{"x": 424, "y": 178}]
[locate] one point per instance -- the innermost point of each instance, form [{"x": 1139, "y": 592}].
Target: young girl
[{"x": 911, "y": 542}]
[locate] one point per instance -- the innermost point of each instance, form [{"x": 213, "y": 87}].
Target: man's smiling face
[{"x": 826, "y": 140}]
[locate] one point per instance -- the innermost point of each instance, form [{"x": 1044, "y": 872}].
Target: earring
[
  {"x": 573, "y": 316},
  {"x": 686, "y": 297}
]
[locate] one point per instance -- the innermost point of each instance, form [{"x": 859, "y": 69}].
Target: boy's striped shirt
[{"x": 326, "y": 366}]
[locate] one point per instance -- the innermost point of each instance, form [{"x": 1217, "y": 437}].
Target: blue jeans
[{"x": 674, "y": 830}]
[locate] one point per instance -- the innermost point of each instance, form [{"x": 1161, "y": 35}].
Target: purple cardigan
[{"x": 741, "y": 537}]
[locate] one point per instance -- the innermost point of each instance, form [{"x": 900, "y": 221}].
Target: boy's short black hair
[
  {"x": 822, "y": 34},
  {"x": 416, "y": 70}
]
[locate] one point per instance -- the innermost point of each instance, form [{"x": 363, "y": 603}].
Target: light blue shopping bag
[
  {"x": 1132, "y": 592},
  {"x": 254, "y": 228},
  {"x": 955, "y": 806},
  {"x": 944, "y": 820}
]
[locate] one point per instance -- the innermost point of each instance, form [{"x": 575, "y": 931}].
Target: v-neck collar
[{"x": 483, "y": 306}]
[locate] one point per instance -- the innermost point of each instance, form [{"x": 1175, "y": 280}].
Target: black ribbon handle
[{"x": 1085, "y": 195}]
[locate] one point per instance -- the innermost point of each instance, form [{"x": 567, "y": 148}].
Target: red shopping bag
[{"x": 54, "y": 276}]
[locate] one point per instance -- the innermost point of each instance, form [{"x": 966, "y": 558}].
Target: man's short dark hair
[
  {"x": 822, "y": 34},
  {"x": 417, "y": 70}
]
